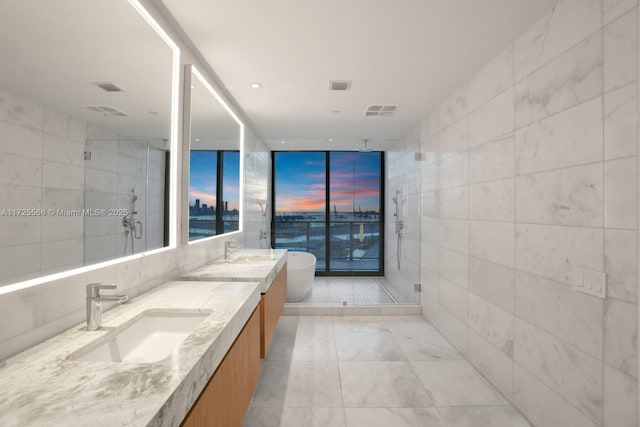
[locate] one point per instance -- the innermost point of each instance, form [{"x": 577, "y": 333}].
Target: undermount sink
[
  {"x": 148, "y": 338},
  {"x": 248, "y": 259}
]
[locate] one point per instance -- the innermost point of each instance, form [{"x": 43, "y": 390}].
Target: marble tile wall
[
  {"x": 530, "y": 171},
  {"x": 42, "y": 167},
  {"x": 42, "y": 152},
  {"x": 31, "y": 315},
  {"x": 257, "y": 180},
  {"x": 117, "y": 166}
]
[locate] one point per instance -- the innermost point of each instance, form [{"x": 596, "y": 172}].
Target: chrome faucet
[
  {"x": 94, "y": 303},
  {"x": 228, "y": 245}
]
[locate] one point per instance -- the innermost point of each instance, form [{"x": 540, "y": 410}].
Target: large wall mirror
[
  {"x": 215, "y": 163},
  {"x": 87, "y": 92}
]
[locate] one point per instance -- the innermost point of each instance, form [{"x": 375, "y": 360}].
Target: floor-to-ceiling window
[
  {"x": 300, "y": 205},
  {"x": 331, "y": 204},
  {"x": 213, "y": 192},
  {"x": 230, "y": 191}
]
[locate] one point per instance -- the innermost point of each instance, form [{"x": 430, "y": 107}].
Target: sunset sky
[
  {"x": 300, "y": 181},
  {"x": 202, "y": 184}
]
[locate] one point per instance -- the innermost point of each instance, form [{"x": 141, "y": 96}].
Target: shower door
[
  {"x": 125, "y": 179},
  {"x": 403, "y": 227}
]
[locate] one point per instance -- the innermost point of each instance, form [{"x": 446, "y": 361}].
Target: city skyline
[
  {"x": 203, "y": 209},
  {"x": 203, "y": 178}
]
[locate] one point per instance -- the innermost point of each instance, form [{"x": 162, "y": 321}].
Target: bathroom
[{"x": 512, "y": 159}]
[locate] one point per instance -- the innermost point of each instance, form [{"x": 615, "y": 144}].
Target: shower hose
[{"x": 398, "y": 249}]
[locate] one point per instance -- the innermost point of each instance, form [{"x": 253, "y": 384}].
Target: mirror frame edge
[
  {"x": 189, "y": 71},
  {"x": 175, "y": 106},
  {"x": 186, "y": 152}
]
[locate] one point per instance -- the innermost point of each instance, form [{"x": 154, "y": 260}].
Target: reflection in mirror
[
  {"x": 129, "y": 175},
  {"x": 85, "y": 134},
  {"x": 215, "y": 163}
]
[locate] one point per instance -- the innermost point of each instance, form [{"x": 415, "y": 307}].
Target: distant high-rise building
[
  {"x": 197, "y": 203},
  {"x": 226, "y": 206}
]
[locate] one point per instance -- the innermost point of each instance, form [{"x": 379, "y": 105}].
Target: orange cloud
[{"x": 300, "y": 204}]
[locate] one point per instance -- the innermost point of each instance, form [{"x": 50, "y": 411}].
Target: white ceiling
[
  {"x": 212, "y": 127},
  {"x": 52, "y": 51},
  {"x": 406, "y": 52}
]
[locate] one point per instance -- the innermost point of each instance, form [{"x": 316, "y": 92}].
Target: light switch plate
[{"x": 591, "y": 282}]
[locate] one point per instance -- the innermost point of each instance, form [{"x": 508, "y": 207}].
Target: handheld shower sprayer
[
  {"x": 397, "y": 200},
  {"x": 264, "y": 235},
  {"x": 132, "y": 227}
]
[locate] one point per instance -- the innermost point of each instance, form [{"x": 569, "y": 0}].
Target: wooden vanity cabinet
[
  {"x": 271, "y": 305},
  {"x": 226, "y": 398}
]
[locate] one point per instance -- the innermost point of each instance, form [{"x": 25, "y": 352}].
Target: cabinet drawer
[
  {"x": 225, "y": 399},
  {"x": 271, "y": 305}
]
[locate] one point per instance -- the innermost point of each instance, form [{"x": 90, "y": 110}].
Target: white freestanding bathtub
[{"x": 301, "y": 267}]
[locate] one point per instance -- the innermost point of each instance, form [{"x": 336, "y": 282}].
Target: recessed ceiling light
[
  {"x": 281, "y": 142},
  {"x": 335, "y": 112},
  {"x": 330, "y": 139},
  {"x": 256, "y": 85},
  {"x": 193, "y": 86},
  {"x": 196, "y": 139}
]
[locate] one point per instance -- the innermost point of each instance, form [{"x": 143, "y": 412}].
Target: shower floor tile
[
  {"x": 348, "y": 291},
  {"x": 356, "y": 371}
]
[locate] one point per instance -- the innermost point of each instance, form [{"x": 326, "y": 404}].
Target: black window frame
[
  {"x": 328, "y": 271},
  {"x": 219, "y": 225}
]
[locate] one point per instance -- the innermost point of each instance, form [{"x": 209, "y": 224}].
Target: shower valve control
[{"x": 399, "y": 225}]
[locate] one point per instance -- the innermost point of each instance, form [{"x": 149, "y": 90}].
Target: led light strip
[
  {"x": 175, "y": 102},
  {"x": 218, "y": 98}
]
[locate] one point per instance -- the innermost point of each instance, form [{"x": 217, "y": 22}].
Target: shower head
[
  {"x": 395, "y": 198},
  {"x": 365, "y": 148}
]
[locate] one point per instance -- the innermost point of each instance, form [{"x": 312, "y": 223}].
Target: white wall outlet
[{"x": 591, "y": 282}]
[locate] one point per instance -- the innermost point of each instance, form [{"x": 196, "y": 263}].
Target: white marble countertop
[
  {"x": 260, "y": 270},
  {"x": 42, "y": 387}
]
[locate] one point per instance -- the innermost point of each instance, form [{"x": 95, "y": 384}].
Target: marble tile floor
[
  {"x": 371, "y": 371},
  {"x": 349, "y": 291}
]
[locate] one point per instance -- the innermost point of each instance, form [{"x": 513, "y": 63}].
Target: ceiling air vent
[
  {"x": 109, "y": 86},
  {"x": 339, "y": 85},
  {"x": 380, "y": 110},
  {"x": 107, "y": 111}
]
